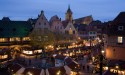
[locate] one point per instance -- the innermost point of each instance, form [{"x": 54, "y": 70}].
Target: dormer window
[{"x": 120, "y": 28}]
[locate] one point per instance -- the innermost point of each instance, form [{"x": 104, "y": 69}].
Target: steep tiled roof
[
  {"x": 112, "y": 29},
  {"x": 80, "y": 27},
  {"x": 80, "y": 20},
  {"x": 119, "y": 19},
  {"x": 65, "y": 23},
  {"x": 14, "y": 28},
  {"x": 53, "y": 18}
]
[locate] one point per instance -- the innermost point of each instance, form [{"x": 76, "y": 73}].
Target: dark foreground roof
[{"x": 14, "y": 28}]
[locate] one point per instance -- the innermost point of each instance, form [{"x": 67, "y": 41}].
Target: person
[
  {"x": 29, "y": 61},
  {"x": 87, "y": 67},
  {"x": 83, "y": 67}
]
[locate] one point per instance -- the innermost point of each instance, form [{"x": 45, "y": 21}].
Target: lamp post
[
  {"x": 117, "y": 67},
  {"x": 101, "y": 62}
]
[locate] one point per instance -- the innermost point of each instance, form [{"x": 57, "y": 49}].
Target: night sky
[{"x": 103, "y": 10}]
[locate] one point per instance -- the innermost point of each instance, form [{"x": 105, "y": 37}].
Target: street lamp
[
  {"x": 101, "y": 61},
  {"x": 117, "y": 67}
]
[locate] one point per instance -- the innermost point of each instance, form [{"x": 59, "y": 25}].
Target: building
[
  {"x": 94, "y": 29},
  {"x": 14, "y": 32},
  {"x": 81, "y": 30},
  {"x": 41, "y": 23},
  {"x": 56, "y": 24},
  {"x": 83, "y": 20},
  {"x": 115, "y": 38},
  {"x": 68, "y": 15}
]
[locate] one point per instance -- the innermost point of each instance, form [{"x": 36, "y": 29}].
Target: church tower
[{"x": 69, "y": 13}]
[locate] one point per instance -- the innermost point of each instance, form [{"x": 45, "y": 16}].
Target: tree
[{"x": 42, "y": 38}]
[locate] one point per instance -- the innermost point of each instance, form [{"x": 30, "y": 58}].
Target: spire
[
  {"x": 69, "y": 10},
  {"x": 69, "y": 6}
]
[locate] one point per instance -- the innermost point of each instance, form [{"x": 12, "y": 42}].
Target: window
[
  {"x": 66, "y": 32},
  {"x": 73, "y": 32},
  {"x": 90, "y": 32},
  {"x": 44, "y": 23},
  {"x": 70, "y": 31},
  {"x": 120, "y": 39},
  {"x": 42, "y": 18},
  {"x": 61, "y": 27},
  {"x": 2, "y": 40},
  {"x": 120, "y": 27},
  {"x": 39, "y": 23}
]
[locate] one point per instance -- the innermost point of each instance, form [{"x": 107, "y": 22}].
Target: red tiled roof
[{"x": 65, "y": 23}]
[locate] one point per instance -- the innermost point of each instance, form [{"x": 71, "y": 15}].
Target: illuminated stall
[
  {"x": 4, "y": 55},
  {"x": 31, "y": 51}
]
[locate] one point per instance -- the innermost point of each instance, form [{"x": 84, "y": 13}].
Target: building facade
[
  {"x": 56, "y": 24},
  {"x": 41, "y": 23},
  {"x": 115, "y": 38}
]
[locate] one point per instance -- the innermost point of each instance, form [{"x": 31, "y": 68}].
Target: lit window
[
  {"x": 120, "y": 27},
  {"x": 17, "y": 39},
  {"x": 28, "y": 52},
  {"x": 70, "y": 31},
  {"x": 120, "y": 39},
  {"x": 3, "y": 56},
  {"x": 2, "y": 40},
  {"x": 26, "y": 39}
]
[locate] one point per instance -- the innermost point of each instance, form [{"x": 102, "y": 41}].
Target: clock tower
[{"x": 68, "y": 16}]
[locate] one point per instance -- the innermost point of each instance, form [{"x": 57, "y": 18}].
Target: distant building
[
  {"x": 116, "y": 38},
  {"x": 81, "y": 30},
  {"x": 56, "y": 24},
  {"x": 94, "y": 29},
  {"x": 14, "y": 32},
  {"x": 41, "y": 23},
  {"x": 84, "y": 20}
]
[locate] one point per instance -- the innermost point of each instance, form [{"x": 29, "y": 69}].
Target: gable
[{"x": 70, "y": 26}]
